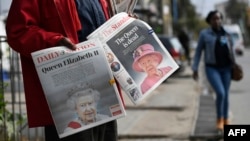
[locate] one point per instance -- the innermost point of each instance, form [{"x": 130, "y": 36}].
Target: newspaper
[
  {"x": 118, "y": 6},
  {"x": 138, "y": 59},
  {"x": 79, "y": 86}
]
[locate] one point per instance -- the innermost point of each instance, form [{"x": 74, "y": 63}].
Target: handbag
[{"x": 237, "y": 72}]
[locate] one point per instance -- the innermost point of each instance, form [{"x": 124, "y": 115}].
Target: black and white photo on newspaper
[
  {"x": 141, "y": 62},
  {"x": 79, "y": 87}
]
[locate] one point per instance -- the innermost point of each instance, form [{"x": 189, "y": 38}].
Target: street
[{"x": 240, "y": 93}]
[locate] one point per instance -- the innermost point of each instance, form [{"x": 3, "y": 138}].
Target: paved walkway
[
  {"x": 175, "y": 111},
  {"x": 205, "y": 124},
  {"x": 165, "y": 115}
]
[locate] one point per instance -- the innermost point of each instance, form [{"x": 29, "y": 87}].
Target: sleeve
[
  {"x": 105, "y": 8},
  {"x": 23, "y": 28},
  {"x": 198, "y": 52}
]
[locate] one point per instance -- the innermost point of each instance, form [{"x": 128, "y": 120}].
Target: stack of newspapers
[{"x": 81, "y": 85}]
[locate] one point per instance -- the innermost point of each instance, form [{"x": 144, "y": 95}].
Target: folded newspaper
[
  {"x": 118, "y": 6},
  {"x": 79, "y": 86},
  {"x": 137, "y": 58}
]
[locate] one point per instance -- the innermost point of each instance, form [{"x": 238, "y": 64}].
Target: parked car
[
  {"x": 174, "y": 47},
  {"x": 235, "y": 32}
]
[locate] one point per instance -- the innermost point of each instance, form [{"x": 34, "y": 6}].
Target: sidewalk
[
  {"x": 205, "y": 125},
  {"x": 168, "y": 113}
]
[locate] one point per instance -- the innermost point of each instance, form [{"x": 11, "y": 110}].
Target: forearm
[{"x": 23, "y": 29}]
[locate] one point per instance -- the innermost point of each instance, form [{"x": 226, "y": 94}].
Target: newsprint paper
[
  {"x": 118, "y": 6},
  {"x": 79, "y": 86},
  {"x": 137, "y": 58}
]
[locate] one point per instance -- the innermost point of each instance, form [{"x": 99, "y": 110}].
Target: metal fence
[{"x": 13, "y": 119}]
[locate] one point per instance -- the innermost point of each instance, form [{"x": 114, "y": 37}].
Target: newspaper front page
[
  {"x": 79, "y": 86},
  {"x": 138, "y": 59}
]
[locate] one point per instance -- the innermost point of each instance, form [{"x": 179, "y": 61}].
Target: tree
[
  {"x": 188, "y": 18},
  {"x": 236, "y": 10}
]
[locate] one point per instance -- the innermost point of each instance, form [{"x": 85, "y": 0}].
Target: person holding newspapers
[
  {"x": 215, "y": 42},
  {"x": 34, "y": 25}
]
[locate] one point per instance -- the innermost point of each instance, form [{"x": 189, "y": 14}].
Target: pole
[{"x": 175, "y": 11}]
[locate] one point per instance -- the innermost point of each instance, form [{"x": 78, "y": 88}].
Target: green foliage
[
  {"x": 8, "y": 120},
  {"x": 236, "y": 10},
  {"x": 188, "y": 19},
  {"x": 185, "y": 9}
]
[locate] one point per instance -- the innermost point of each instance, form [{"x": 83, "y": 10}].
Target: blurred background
[
  {"x": 167, "y": 16},
  {"x": 173, "y": 17},
  {"x": 175, "y": 22}
]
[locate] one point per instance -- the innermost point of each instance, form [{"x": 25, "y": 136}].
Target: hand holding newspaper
[
  {"x": 137, "y": 58},
  {"x": 79, "y": 86},
  {"x": 118, "y": 6}
]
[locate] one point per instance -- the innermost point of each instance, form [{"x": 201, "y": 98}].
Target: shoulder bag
[{"x": 237, "y": 71}]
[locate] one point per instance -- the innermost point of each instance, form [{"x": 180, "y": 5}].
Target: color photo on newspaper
[{"x": 140, "y": 62}]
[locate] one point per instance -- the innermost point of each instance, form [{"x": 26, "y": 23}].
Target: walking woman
[{"x": 216, "y": 44}]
